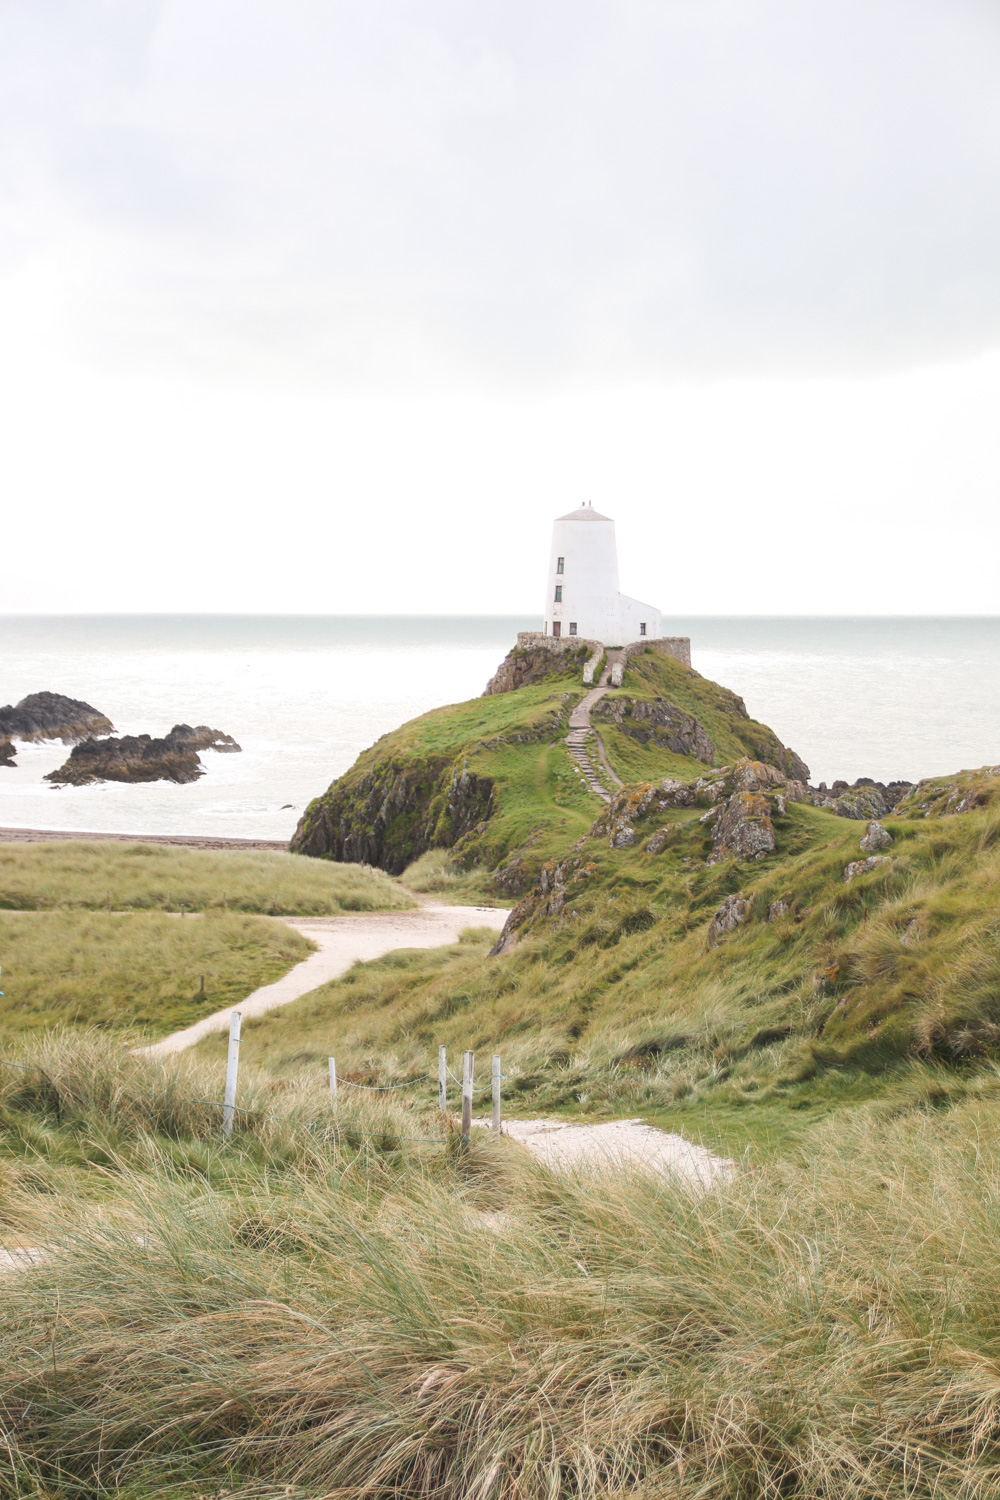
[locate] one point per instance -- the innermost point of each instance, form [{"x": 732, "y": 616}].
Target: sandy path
[
  {"x": 617, "y": 1145},
  {"x": 341, "y": 942}
]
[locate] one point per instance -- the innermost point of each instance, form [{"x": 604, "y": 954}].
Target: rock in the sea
[
  {"x": 51, "y": 716},
  {"x": 733, "y": 912},
  {"x": 6, "y": 752},
  {"x": 875, "y": 837},
  {"x": 140, "y": 758},
  {"x": 863, "y": 866}
]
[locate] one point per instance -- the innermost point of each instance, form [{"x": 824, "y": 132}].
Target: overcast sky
[{"x": 326, "y": 306}]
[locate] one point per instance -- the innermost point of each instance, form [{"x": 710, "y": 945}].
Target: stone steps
[{"x": 576, "y": 741}]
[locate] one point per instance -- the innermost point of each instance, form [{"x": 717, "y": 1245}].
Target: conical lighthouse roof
[{"x": 583, "y": 513}]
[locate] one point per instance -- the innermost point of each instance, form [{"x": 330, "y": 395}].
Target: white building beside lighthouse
[{"x": 582, "y": 593}]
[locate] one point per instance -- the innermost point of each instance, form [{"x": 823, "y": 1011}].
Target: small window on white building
[
  {"x": 558, "y": 593},
  {"x": 642, "y": 628},
  {"x": 572, "y": 627},
  {"x": 560, "y": 565}
]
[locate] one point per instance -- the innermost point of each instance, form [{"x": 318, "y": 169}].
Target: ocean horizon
[{"x": 892, "y": 697}]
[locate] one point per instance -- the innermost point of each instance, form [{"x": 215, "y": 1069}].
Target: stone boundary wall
[{"x": 677, "y": 646}]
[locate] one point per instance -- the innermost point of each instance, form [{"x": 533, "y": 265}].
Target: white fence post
[
  {"x": 496, "y": 1097},
  {"x": 232, "y": 1067},
  {"x": 468, "y": 1060},
  {"x": 442, "y": 1080},
  {"x": 333, "y": 1080}
]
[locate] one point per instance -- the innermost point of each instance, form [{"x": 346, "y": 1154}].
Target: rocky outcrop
[
  {"x": 863, "y": 867},
  {"x": 658, "y": 723},
  {"x": 743, "y": 830},
  {"x": 51, "y": 716},
  {"x": 733, "y": 912},
  {"x": 140, "y": 758},
  {"x": 942, "y": 796},
  {"x": 6, "y": 752},
  {"x": 538, "y": 658},
  {"x": 875, "y": 837},
  {"x": 865, "y": 800},
  {"x": 395, "y": 812},
  {"x": 547, "y": 899}
]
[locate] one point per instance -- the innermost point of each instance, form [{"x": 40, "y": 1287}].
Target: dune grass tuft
[{"x": 309, "y": 1311}]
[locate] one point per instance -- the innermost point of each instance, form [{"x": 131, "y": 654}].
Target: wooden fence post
[
  {"x": 496, "y": 1097},
  {"x": 442, "y": 1080},
  {"x": 333, "y": 1080},
  {"x": 468, "y": 1060},
  {"x": 232, "y": 1067}
]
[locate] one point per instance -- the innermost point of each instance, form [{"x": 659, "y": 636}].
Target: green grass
[
  {"x": 321, "y": 1307},
  {"x": 436, "y": 874},
  {"x": 141, "y": 970},
  {"x": 138, "y": 877},
  {"x": 884, "y": 989}
]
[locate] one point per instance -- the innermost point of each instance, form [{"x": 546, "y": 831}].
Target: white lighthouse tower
[{"x": 583, "y": 597}]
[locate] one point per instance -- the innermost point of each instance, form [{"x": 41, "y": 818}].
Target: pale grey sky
[{"x": 333, "y": 306}]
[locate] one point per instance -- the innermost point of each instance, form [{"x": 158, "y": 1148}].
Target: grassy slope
[
  {"x": 322, "y": 1307},
  {"x": 884, "y": 988},
  {"x": 540, "y": 803},
  {"x": 651, "y": 677},
  {"x": 73, "y": 873},
  {"x": 140, "y": 970}
]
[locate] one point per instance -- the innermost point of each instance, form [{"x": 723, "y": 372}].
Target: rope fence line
[{"x": 230, "y": 1108}]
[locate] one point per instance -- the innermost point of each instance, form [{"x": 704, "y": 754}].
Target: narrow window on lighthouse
[
  {"x": 560, "y": 565},
  {"x": 642, "y": 628},
  {"x": 559, "y": 595},
  {"x": 572, "y": 627}
]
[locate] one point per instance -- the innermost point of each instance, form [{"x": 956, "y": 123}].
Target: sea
[{"x": 891, "y": 698}]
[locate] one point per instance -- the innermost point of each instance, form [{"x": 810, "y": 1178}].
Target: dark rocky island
[
  {"x": 51, "y": 716},
  {"x": 6, "y": 752},
  {"x": 140, "y": 758}
]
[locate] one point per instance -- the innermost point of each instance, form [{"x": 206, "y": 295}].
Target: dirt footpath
[{"x": 342, "y": 941}]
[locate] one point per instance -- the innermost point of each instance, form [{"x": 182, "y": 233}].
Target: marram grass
[
  {"x": 159, "y": 877},
  {"x": 309, "y": 1311}
]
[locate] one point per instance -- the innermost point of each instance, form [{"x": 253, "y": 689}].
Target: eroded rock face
[
  {"x": 863, "y": 867},
  {"x": 875, "y": 837},
  {"x": 395, "y": 813},
  {"x": 548, "y": 898},
  {"x": 6, "y": 753},
  {"x": 140, "y": 758},
  {"x": 524, "y": 665},
  {"x": 51, "y": 716},
  {"x": 733, "y": 912},
  {"x": 779, "y": 909}
]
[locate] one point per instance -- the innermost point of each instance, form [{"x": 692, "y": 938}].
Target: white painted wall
[{"x": 591, "y": 598}]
